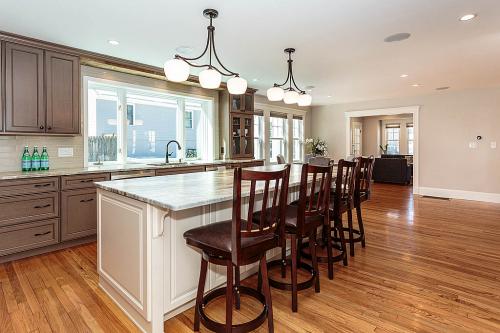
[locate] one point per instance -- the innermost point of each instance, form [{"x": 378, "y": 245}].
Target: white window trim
[
  {"x": 122, "y": 117},
  {"x": 266, "y": 110}
]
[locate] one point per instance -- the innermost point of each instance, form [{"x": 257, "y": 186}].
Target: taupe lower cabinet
[
  {"x": 78, "y": 213},
  {"x": 41, "y": 90}
]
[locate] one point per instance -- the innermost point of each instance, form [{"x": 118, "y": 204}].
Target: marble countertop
[
  {"x": 111, "y": 168},
  {"x": 178, "y": 192}
]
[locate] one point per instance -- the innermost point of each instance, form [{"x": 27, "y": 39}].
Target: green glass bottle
[
  {"x": 35, "y": 159},
  {"x": 44, "y": 160},
  {"x": 26, "y": 160}
]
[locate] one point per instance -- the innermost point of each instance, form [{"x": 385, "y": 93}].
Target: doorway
[{"x": 400, "y": 135}]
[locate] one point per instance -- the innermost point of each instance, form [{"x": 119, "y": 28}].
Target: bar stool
[
  {"x": 302, "y": 220},
  {"x": 236, "y": 243},
  {"x": 341, "y": 201},
  {"x": 362, "y": 190}
]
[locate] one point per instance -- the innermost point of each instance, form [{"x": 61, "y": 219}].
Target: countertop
[
  {"x": 178, "y": 192},
  {"x": 112, "y": 168}
]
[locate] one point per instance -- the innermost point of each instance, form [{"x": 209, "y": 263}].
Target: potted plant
[{"x": 316, "y": 147}]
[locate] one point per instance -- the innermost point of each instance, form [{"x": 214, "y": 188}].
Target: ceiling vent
[{"x": 397, "y": 37}]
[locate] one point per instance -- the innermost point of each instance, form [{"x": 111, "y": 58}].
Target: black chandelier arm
[
  {"x": 177, "y": 56},
  {"x": 231, "y": 73}
]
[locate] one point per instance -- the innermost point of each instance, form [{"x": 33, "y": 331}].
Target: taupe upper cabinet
[
  {"x": 41, "y": 91},
  {"x": 62, "y": 91},
  {"x": 24, "y": 96}
]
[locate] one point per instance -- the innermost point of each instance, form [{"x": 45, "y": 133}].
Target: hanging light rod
[
  {"x": 291, "y": 94},
  {"x": 177, "y": 69}
]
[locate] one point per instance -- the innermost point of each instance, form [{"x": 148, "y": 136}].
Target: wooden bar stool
[
  {"x": 362, "y": 189},
  {"x": 341, "y": 201},
  {"x": 237, "y": 242},
  {"x": 302, "y": 220}
]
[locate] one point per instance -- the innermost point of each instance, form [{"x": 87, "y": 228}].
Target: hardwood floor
[{"x": 429, "y": 266}]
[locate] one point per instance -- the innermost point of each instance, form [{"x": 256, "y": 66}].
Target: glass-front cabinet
[
  {"x": 241, "y": 103},
  {"x": 241, "y": 135}
]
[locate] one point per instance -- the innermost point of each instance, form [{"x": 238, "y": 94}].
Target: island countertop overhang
[{"x": 184, "y": 191}]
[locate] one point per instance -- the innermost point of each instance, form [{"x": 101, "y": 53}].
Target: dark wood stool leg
[
  {"x": 361, "y": 226},
  {"x": 229, "y": 296},
  {"x": 267, "y": 293},
  {"x": 237, "y": 287},
  {"x": 329, "y": 249},
  {"x": 340, "y": 227},
  {"x": 259, "y": 281},
  {"x": 314, "y": 259},
  {"x": 299, "y": 248},
  {"x": 199, "y": 295},
  {"x": 283, "y": 261},
  {"x": 294, "y": 272},
  {"x": 351, "y": 234}
]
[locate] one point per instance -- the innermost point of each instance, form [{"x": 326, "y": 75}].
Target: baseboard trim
[{"x": 459, "y": 194}]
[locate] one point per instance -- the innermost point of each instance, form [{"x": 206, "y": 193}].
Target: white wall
[{"x": 449, "y": 120}]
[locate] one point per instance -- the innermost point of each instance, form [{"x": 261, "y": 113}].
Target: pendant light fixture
[
  {"x": 177, "y": 69},
  {"x": 291, "y": 94}
]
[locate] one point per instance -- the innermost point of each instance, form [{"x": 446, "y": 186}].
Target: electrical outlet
[
  {"x": 493, "y": 144},
  {"x": 65, "y": 152}
]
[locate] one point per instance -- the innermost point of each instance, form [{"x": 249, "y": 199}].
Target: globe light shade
[
  {"x": 210, "y": 79},
  {"x": 304, "y": 100},
  {"x": 237, "y": 85},
  {"x": 176, "y": 70},
  {"x": 290, "y": 97},
  {"x": 275, "y": 94}
]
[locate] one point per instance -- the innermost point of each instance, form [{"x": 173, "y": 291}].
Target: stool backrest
[
  {"x": 344, "y": 184},
  {"x": 364, "y": 175},
  {"x": 272, "y": 218},
  {"x": 314, "y": 200}
]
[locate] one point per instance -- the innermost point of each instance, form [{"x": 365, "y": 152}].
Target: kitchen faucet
[{"x": 166, "y": 152}]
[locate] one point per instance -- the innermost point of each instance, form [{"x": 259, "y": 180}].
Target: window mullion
[
  {"x": 122, "y": 127},
  {"x": 181, "y": 108}
]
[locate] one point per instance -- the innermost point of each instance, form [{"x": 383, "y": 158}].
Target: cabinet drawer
[
  {"x": 29, "y": 208},
  {"x": 82, "y": 181},
  {"x": 28, "y": 236},
  {"x": 78, "y": 213},
  {"x": 176, "y": 171},
  {"x": 28, "y": 186}
]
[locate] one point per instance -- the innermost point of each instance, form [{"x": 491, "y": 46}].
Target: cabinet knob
[
  {"x": 41, "y": 127},
  {"x": 49, "y": 128}
]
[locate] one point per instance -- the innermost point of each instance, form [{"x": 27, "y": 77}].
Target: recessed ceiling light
[
  {"x": 467, "y": 17},
  {"x": 329, "y": 96},
  {"x": 416, "y": 85},
  {"x": 113, "y": 42},
  {"x": 255, "y": 80},
  {"x": 403, "y": 75},
  {"x": 397, "y": 37}
]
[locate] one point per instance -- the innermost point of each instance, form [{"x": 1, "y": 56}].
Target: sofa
[{"x": 393, "y": 169}]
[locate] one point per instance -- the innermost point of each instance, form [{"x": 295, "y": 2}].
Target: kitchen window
[
  {"x": 258, "y": 136},
  {"x": 298, "y": 138},
  {"x": 277, "y": 135},
  {"x": 139, "y": 131}
]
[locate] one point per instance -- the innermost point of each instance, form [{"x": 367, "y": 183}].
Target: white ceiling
[{"x": 340, "y": 48}]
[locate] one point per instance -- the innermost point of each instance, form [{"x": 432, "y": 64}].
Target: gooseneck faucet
[{"x": 167, "y": 155}]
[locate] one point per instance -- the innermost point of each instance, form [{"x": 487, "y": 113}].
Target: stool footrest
[
  {"x": 288, "y": 286},
  {"x": 239, "y": 328}
]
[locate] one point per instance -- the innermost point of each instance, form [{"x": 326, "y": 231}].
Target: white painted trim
[
  {"x": 459, "y": 194},
  {"x": 415, "y": 109}
]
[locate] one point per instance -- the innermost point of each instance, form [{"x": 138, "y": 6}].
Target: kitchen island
[{"x": 144, "y": 264}]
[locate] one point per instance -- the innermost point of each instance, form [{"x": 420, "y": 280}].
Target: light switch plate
[
  {"x": 65, "y": 152},
  {"x": 493, "y": 144}
]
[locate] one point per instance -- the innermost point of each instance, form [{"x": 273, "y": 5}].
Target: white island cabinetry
[{"x": 144, "y": 263}]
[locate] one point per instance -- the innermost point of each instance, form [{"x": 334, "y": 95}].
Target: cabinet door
[
  {"x": 24, "y": 104},
  {"x": 247, "y": 136},
  {"x": 62, "y": 93},
  {"x": 78, "y": 213},
  {"x": 2, "y": 95}
]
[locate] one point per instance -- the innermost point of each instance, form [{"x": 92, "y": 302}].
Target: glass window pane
[
  {"x": 155, "y": 123},
  {"x": 102, "y": 125},
  {"x": 192, "y": 127}
]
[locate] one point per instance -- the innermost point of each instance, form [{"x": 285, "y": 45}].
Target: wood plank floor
[{"x": 429, "y": 266}]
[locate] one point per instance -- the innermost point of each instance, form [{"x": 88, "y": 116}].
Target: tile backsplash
[{"x": 11, "y": 150}]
